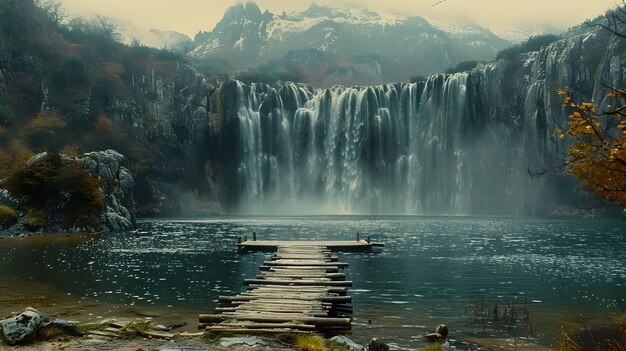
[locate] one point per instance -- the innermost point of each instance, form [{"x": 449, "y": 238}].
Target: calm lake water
[{"x": 432, "y": 270}]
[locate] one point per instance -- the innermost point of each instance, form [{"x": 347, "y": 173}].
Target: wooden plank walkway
[{"x": 300, "y": 290}]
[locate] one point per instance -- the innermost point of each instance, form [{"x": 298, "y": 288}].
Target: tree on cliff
[
  {"x": 53, "y": 185},
  {"x": 597, "y": 155}
]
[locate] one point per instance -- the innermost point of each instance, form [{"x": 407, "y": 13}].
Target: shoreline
[{"x": 106, "y": 338}]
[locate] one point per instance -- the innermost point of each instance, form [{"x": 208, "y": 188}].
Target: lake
[{"x": 432, "y": 270}]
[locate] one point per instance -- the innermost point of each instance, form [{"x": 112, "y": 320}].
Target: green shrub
[
  {"x": 533, "y": 43},
  {"x": 36, "y": 221},
  {"x": 463, "y": 67},
  {"x": 8, "y": 217}
]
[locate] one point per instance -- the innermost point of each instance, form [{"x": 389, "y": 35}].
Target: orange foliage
[
  {"x": 598, "y": 154},
  {"x": 71, "y": 150},
  {"x": 112, "y": 69},
  {"x": 103, "y": 124},
  {"x": 47, "y": 120}
]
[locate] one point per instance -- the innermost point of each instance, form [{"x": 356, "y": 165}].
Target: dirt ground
[{"x": 97, "y": 343}]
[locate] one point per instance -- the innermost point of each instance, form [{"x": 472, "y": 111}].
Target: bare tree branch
[{"x": 439, "y": 2}]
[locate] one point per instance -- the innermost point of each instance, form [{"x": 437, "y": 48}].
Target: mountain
[
  {"x": 355, "y": 44},
  {"x": 459, "y": 143}
]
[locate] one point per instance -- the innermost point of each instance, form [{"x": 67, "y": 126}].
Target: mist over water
[{"x": 405, "y": 148}]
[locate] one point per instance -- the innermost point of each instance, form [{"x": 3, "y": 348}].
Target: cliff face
[
  {"x": 458, "y": 144},
  {"x": 169, "y": 113}
]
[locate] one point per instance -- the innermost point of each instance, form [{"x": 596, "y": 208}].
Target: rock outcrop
[
  {"x": 347, "y": 344},
  {"x": 23, "y": 327},
  {"x": 117, "y": 188}
]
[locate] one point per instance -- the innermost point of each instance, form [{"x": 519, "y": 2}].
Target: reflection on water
[{"x": 431, "y": 271}]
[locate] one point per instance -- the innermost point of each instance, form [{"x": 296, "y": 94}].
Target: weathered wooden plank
[
  {"x": 309, "y": 264},
  {"x": 304, "y": 257},
  {"x": 346, "y": 283},
  {"x": 205, "y": 318},
  {"x": 269, "y": 325},
  {"x": 308, "y": 313},
  {"x": 329, "y": 289},
  {"x": 255, "y": 331},
  {"x": 334, "y": 299},
  {"x": 324, "y": 276},
  {"x": 329, "y": 269}
]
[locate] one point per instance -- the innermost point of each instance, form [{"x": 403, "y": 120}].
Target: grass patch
[
  {"x": 566, "y": 343},
  {"x": 310, "y": 343},
  {"x": 136, "y": 327},
  {"x": 621, "y": 321},
  {"x": 88, "y": 327},
  {"x": 212, "y": 336},
  {"x": 52, "y": 333},
  {"x": 433, "y": 347}
]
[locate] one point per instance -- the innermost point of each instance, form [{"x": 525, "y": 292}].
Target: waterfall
[
  {"x": 455, "y": 144},
  {"x": 404, "y": 148}
]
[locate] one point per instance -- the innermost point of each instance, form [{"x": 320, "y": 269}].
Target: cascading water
[
  {"x": 455, "y": 144},
  {"x": 397, "y": 148}
]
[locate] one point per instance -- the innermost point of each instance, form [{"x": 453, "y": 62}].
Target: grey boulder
[
  {"x": 347, "y": 343},
  {"x": 377, "y": 345}
]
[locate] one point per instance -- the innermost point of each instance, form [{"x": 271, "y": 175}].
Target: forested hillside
[{"x": 74, "y": 88}]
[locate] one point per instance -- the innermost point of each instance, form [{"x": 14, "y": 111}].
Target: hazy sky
[{"x": 190, "y": 16}]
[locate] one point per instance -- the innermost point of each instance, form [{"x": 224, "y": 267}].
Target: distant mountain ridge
[
  {"x": 155, "y": 38},
  {"x": 336, "y": 40}
]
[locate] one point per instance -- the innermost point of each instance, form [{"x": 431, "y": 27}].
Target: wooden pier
[
  {"x": 300, "y": 290},
  {"x": 347, "y": 245}
]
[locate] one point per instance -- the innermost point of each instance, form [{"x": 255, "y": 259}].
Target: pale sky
[{"x": 190, "y": 16}]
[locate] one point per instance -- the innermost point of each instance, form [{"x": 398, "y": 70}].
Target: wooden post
[
  {"x": 238, "y": 239},
  {"x": 369, "y": 240},
  {"x": 254, "y": 236},
  {"x": 357, "y": 236}
]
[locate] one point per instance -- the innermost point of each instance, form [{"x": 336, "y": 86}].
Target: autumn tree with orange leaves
[{"x": 597, "y": 155}]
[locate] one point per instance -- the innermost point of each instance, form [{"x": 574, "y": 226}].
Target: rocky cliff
[
  {"x": 59, "y": 193},
  {"x": 169, "y": 113},
  {"x": 456, "y": 144},
  {"x": 117, "y": 188}
]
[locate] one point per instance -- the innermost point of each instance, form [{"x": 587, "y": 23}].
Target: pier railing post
[
  {"x": 238, "y": 239},
  {"x": 254, "y": 236},
  {"x": 357, "y": 237},
  {"x": 369, "y": 240}
]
